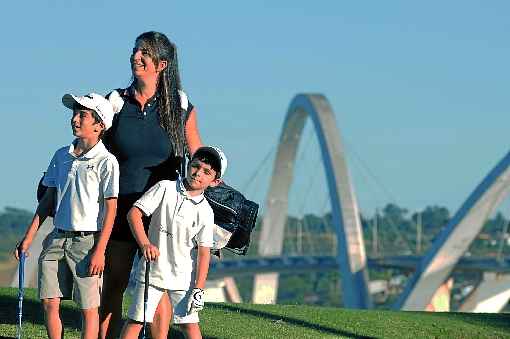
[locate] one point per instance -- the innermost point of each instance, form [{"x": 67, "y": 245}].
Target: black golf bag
[{"x": 234, "y": 214}]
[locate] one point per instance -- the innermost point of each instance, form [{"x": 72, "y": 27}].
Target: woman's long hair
[{"x": 171, "y": 114}]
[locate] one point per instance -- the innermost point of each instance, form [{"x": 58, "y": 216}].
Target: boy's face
[
  {"x": 84, "y": 125},
  {"x": 201, "y": 175}
]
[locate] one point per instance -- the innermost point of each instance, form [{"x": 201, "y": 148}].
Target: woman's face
[{"x": 142, "y": 62}]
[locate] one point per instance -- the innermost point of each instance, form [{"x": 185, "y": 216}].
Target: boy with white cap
[
  {"x": 181, "y": 221},
  {"x": 83, "y": 185}
]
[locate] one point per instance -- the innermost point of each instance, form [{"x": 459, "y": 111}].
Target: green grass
[{"x": 282, "y": 321}]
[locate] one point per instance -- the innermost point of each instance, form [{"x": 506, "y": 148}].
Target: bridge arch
[
  {"x": 455, "y": 238},
  {"x": 350, "y": 249}
]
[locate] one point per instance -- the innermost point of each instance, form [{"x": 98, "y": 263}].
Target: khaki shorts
[
  {"x": 179, "y": 300},
  {"x": 64, "y": 266}
]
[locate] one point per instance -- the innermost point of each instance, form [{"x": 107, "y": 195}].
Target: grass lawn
[{"x": 281, "y": 321}]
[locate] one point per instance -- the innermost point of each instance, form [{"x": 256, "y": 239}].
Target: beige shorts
[
  {"x": 64, "y": 266},
  {"x": 179, "y": 300}
]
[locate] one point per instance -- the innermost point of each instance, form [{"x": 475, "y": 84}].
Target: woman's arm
[
  {"x": 192, "y": 135},
  {"x": 97, "y": 260}
]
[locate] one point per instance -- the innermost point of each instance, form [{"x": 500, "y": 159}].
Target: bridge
[{"x": 428, "y": 273}]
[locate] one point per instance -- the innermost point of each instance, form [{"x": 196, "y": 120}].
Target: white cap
[
  {"x": 93, "y": 101},
  {"x": 217, "y": 153}
]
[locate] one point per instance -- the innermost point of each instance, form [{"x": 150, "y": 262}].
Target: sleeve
[
  {"x": 186, "y": 104},
  {"x": 204, "y": 237},
  {"x": 110, "y": 178},
  {"x": 117, "y": 103},
  {"x": 151, "y": 199},
  {"x": 50, "y": 177},
  {"x": 115, "y": 100}
]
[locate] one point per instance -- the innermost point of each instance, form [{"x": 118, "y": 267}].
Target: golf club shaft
[
  {"x": 145, "y": 297},
  {"x": 21, "y": 292}
]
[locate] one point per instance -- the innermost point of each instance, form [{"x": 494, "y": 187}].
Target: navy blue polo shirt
[{"x": 142, "y": 147}]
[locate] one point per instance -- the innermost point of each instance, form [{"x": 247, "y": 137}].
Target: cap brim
[{"x": 69, "y": 101}]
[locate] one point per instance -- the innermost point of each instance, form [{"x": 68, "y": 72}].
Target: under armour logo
[{"x": 90, "y": 167}]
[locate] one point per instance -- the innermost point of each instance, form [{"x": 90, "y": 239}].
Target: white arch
[
  {"x": 351, "y": 250},
  {"x": 455, "y": 238}
]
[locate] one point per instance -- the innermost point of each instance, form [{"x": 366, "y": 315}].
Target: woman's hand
[{"x": 150, "y": 252}]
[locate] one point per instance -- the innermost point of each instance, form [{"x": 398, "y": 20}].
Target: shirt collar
[
  {"x": 130, "y": 93},
  {"x": 91, "y": 153},
  {"x": 182, "y": 190}
]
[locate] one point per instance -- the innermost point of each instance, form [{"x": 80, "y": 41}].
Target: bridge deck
[{"x": 326, "y": 263}]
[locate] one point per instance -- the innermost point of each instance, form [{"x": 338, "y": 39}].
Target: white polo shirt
[
  {"x": 179, "y": 223},
  {"x": 82, "y": 184}
]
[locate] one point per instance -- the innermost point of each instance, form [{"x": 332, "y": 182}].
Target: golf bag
[
  {"x": 235, "y": 218},
  {"x": 234, "y": 215}
]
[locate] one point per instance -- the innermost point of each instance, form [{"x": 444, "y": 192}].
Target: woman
[{"x": 154, "y": 127}]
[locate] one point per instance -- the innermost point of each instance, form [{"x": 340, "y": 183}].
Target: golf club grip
[
  {"x": 21, "y": 270},
  {"x": 146, "y": 287}
]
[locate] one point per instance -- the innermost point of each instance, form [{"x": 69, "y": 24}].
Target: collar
[
  {"x": 92, "y": 153},
  {"x": 130, "y": 93},
  {"x": 182, "y": 190}
]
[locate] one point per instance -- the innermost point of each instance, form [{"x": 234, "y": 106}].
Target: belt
[{"x": 75, "y": 233}]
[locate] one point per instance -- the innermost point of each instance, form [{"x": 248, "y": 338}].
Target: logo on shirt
[
  {"x": 90, "y": 167},
  {"x": 164, "y": 230}
]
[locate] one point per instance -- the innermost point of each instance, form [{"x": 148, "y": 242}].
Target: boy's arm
[
  {"x": 97, "y": 260},
  {"x": 203, "y": 259},
  {"x": 196, "y": 300},
  {"x": 149, "y": 251},
  {"x": 44, "y": 208}
]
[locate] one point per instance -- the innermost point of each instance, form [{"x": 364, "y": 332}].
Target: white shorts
[{"x": 179, "y": 300}]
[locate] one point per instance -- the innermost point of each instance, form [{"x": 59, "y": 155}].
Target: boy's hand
[
  {"x": 196, "y": 300},
  {"x": 97, "y": 260},
  {"x": 22, "y": 246},
  {"x": 150, "y": 252}
]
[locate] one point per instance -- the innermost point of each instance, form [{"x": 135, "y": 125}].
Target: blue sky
[{"x": 419, "y": 89}]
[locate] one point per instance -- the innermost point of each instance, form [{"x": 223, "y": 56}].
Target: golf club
[
  {"x": 21, "y": 291},
  {"x": 145, "y": 297}
]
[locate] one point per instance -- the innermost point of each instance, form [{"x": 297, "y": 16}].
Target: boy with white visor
[{"x": 83, "y": 185}]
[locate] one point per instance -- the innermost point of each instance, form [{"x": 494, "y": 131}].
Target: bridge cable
[
  {"x": 391, "y": 222},
  {"x": 257, "y": 171},
  {"x": 327, "y": 226},
  {"x": 306, "y": 196}
]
